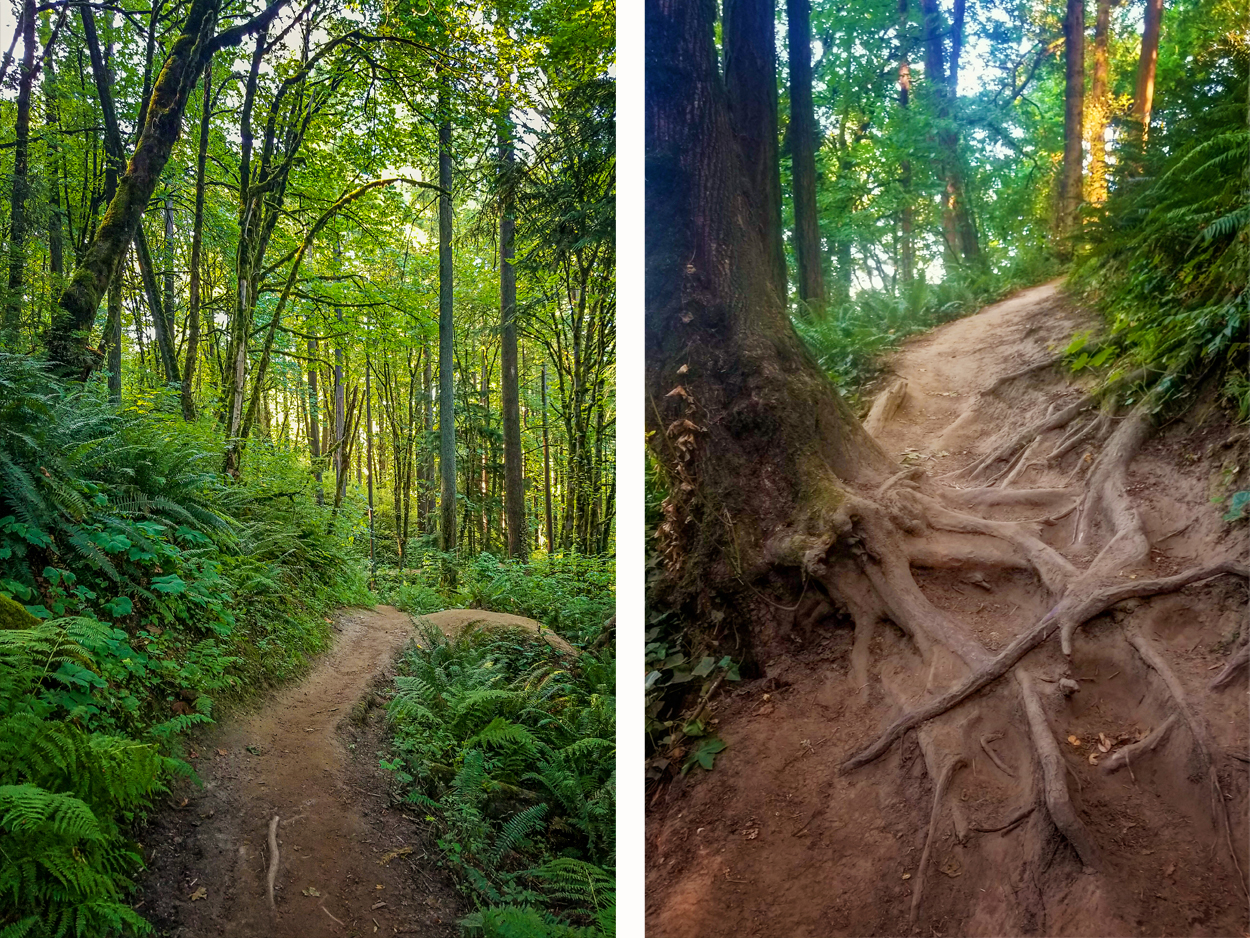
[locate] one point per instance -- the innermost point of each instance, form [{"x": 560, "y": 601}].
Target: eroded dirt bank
[
  {"x": 348, "y": 863},
  {"x": 775, "y": 842}
]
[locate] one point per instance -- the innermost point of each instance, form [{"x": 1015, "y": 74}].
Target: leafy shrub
[{"x": 510, "y": 750}]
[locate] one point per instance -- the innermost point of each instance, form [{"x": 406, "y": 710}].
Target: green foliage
[
  {"x": 1171, "y": 251},
  {"x": 571, "y": 594},
  {"x": 511, "y": 751},
  {"x": 136, "y": 583}
]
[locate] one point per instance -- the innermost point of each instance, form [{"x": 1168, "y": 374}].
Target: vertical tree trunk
[
  {"x": 369, "y": 457},
  {"x": 113, "y": 338},
  {"x": 484, "y": 486},
  {"x": 907, "y": 240},
  {"x": 341, "y": 466},
  {"x": 1073, "y": 121},
  {"x": 56, "y": 238},
  {"x": 446, "y": 333},
  {"x": 1099, "y": 107},
  {"x": 197, "y": 239},
  {"x": 427, "y": 451},
  {"x": 21, "y": 174},
  {"x": 1144, "y": 93},
  {"x": 551, "y": 541},
  {"x": 314, "y": 414},
  {"x": 751, "y": 78},
  {"x": 68, "y": 335},
  {"x": 161, "y": 326},
  {"x": 513, "y": 456},
  {"x": 807, "y": 250}
]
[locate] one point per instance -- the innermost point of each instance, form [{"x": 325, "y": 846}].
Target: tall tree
[
  {"x": 446, "y": 329},
  {"x": 751, "y": 79},
  {"x": 1070, "y": 189},
  {"x": 21, "y": 171},
  {"x": 808, "y": 256},
  {"x": 907, "y": 242},
  {"x": 197, "y": 244},
  {"x": 1098, "y": 110},
  {"x": 1144, "y": 91},
  {"x": 513, "y": 456}
]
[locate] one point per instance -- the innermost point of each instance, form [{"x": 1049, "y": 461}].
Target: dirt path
[
  {"x": 309, "y": 757},
  {"x": 775, "y": 842}
]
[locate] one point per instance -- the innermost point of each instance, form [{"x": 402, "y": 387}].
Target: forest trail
[
  {"x": 309, "y": 757},
  {"x": 775, "y": 842}
]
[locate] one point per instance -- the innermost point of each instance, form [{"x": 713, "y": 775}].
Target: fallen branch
[{"x": 273, "y": 856}]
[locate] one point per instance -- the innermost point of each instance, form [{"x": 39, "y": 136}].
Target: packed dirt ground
[
  {"x": 782, "y": 838},
  {"x": 350, "y": 860}
]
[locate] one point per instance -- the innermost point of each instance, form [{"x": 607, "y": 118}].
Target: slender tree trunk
[
  {"x": 446, "y": 333},
  {"x": 314, "y": 414},
  {"x": 69, "y": 334},
  {"x": 341, "y": 465},
  {"x": 161, "y": 326},
  {"x": 907, "y": 240},
  {"x": 1073, "y": 121},
  {"x": 551, "y": 540},
  {"x": 113, "y": 337},
  {"x": 1099, "y": 107},
  {"x": 21, "y": 174},
  {"x": 751, "y": 78},
  {"x": 56, "y": 238},
  {"x": 197, "y": 239},
  {"x": 1144, "y": 93},
  {"x": 427, "y": 450},
  {"x": 513, "y": 456},
  {"x": 484, "y": 486},
  {"x": 802, "y": 133},
  {"x": 369, "y": 457}
]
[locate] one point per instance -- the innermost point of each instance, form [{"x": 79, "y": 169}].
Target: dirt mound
[
  {"x": 998, "y": 816},
  {"x": 451, "y": 622},
  {"x": 347, "y": 863}
]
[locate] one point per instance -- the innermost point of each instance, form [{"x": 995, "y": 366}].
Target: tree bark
[
  {"x": 56, "y": 237},
  {"x": 551, "y": 540},
  {"x": 753, "y": 437},
  {"x": 1099, "y": 107},
  {"x": 446, "y": 333},
  {"x": 907, "y": 241},
  {"x": 751, "y": 79},
  {"x": 802, "y": 134},
  {"x": 1070, "y": 189},
  {"x": 197, "y": 240},
  {"x": 1144, "y": 93},
  {"x": 69, "y": 333},
  {"x": 513, "y": 456},
  {"x": 21, "y": 173}
]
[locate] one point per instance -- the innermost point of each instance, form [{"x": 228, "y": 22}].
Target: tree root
[
  {"x": 885, "y": 406},
  {"x": 1236, "y": 664},
  {"x": 1011, "y": 823},
  {"x": 1009, "y": 449},
  {"x": 273, "y": 857},
  {"x": 1151, "y": 656},
  {"x": 938, "y": 792},
  {"x": 1055, "y": 788},
  {"x": 1122, "y": 757},
  {"x": 985, "y": 745},
  {"x": 1022, "y": 373}
]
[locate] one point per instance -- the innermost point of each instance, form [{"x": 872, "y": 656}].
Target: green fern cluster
[
  {"x": 511, "y": 751},
  {"x": 1170, "y": 260},
  {"x": 66, "y": 866}
]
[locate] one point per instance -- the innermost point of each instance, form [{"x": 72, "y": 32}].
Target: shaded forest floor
[
  {"x": 349, "y": 861},
  {"x": 774, "y": 842}
]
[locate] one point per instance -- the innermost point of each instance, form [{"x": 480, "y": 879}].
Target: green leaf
[{"x": 1237, "y": 506}]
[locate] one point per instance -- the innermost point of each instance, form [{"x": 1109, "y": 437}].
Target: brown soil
[
  {"x": 782, "y": 839},
  {"x": 310, "y": 757}
]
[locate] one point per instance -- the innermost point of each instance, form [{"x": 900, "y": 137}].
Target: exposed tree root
[
  {"x": 939, "y": 792},
  {"x": 273, "y": 857},
  {"x": 1122, "y": 758},
  {"x": 1202, "y": 747},
  {"x": 1236, "y": 664},
  {"x": 985, "y": 746},
  {"x": 1022, "y": 373},
  {"x": 885, "y": 406},
  {"x": 1011, "y": 823},
  {"x": 1008, "y": 450},
  {"x": 1054, "y": 779}
]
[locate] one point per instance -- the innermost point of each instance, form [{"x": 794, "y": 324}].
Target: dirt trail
[
  {"x": 775, "y": 842},
  {"x": 308, "y": 756}
]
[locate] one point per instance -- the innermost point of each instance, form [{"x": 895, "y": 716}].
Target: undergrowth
[
  {"x": 509, "y": 748},
  {"x": 1169, "y": 260},
  {"x": 137, "y": 585}
]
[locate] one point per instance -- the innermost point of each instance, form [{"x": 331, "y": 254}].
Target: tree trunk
[
  {"x": 1144, "y": 93},
  {"x": 743, "y": 416},
  {"x": 21, "y": 174},
  {"x": 551, "y": 538},
  {"x": 427, "y": 451},
  {"x": 56, "y": 219},
  {"x": 1099, "y": 110},
  {"x": 341, "y": 466},
  {"x": 314, "y": 414},
  {"x": 802, "y": 134},
  {"x": 907, "y": 240},
  {"x": 446, "y": 334},
  {"x": 68, "y": 336},
  {"x": 161, "y": 326},
  {"x": 1073, "y": 122},
  {"x": 197, "y": 239},
  {"x": 751, "y": 79},
  {"x": 513, "y": 455}
]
